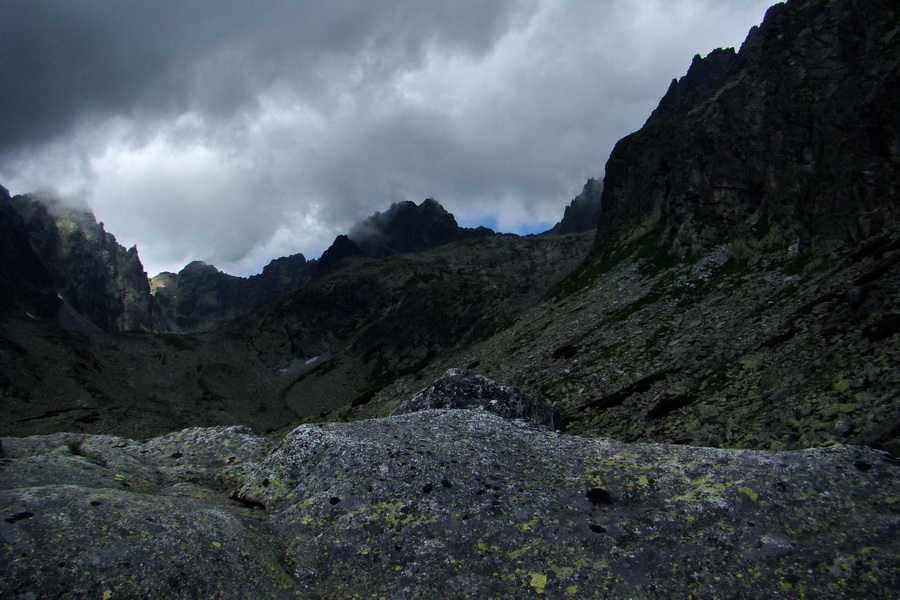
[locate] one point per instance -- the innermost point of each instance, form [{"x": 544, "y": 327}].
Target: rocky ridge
[
  {"x": 342, "y": 340},
  {"x": 62, "y": 251},
  {"x": 200, "y": 297},
  {"x": 406, "y": 227},
  {"x": 58, "y": 252},
  {"x": 583, "y": 213},
  {"x": 791, "y": 142},
  {"x": 319, "y": 352}
]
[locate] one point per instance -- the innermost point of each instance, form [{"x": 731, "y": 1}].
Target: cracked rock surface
[{"x": 440, "y": 503}]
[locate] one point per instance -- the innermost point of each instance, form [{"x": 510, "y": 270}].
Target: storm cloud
[{"x": 235, "y": 132}]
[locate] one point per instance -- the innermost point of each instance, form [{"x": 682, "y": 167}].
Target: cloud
[{"x": 234, "y": 132}]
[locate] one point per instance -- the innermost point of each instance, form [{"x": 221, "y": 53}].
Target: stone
[
  {"x": 407, "y": 227},
  {"x": 741, "y": 147},
  {"x": 463, "y": 389},
  {"x": 440, "y": 503},
  {"x": 595, "y": 514}
]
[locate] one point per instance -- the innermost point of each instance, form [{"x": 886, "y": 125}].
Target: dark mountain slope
[
  {"x": 58, "y": 250},
  {"x": 351, "y": 333},
  {"x": 201, "y": 298},
  {"x": 405, "y": 227},
  {"x": 737, "y": 295},
  {"x": 794, "y": 141}
]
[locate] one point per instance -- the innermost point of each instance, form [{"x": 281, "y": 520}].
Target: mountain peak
[
  {"x": 406, "y": 227},
  {"x": 583, "y": 213},
  {"x": 792, "y": 142},
  {"x": 78, "y": 262}
]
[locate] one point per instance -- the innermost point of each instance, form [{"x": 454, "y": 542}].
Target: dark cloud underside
[{"x": 236, "y": 131}]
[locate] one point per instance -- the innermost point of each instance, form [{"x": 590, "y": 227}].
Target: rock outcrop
[
  {"x": 463, "y": 389},
  {"x": 341, "y": 248},
  {"x": 101, "y": 285},
  {"x": 26, "y": 286},
  {"x": 440, "y": 503},
  {"x": 792, "y": 142},
  {"x": 583, "y": 213}
]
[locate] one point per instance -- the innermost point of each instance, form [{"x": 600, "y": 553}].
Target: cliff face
[
  {"x": 64, "y": 251},
  {"x": 25, "y": 284},
  {"x": 793, "y": 141}
]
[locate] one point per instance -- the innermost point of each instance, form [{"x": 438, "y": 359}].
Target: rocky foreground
[
  {"x": 449, "y": 503},
  {"x": 742, "y": 291}
]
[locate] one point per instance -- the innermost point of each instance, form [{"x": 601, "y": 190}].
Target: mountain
[
  {"x": 792, "y": 142},
  {"x": 737, "y": 312},
  {"x": 712, "y": 290},
  {"x": 201, "y": 298},
  {"x": 716, "y": 286},
  {"x": 56, "y": 250},
  {"x": 583, "y": 213},
  {"x": 348, "y": 335},
  {"x": 743, "y": 287},
  {"x": 405, "y": 227}
]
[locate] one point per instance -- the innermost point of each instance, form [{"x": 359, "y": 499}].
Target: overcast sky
[{"x": 235, "y": 132}]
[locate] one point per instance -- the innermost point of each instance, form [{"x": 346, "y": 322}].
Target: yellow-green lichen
[
  {"x": 538, "y": 582},
  {"x": 750, "y": 493}
]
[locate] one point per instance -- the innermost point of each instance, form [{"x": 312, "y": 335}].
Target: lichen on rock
[
  {"x": 463, "y": 389},
  {"x": 440, "y": 503}
]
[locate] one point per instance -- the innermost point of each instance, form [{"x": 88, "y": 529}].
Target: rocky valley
[{"x": 687, "y": 388}]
